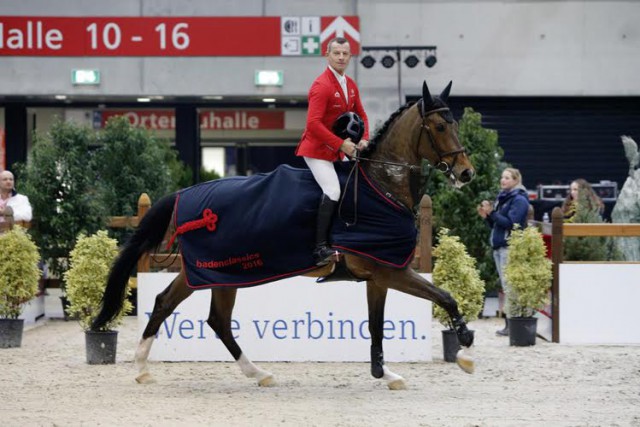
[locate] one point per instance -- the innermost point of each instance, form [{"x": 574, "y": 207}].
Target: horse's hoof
[
  {"x": 267, "y": 381},
  {"x": 398, "y": 384},
  {"x": 145, "y": 378},
  {"x": 465, "y": 362}
]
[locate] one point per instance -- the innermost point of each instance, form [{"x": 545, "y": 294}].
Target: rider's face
[{"x": 339, "y": 56}]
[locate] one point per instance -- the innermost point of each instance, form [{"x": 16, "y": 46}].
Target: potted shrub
[
  {"x": 528, "y": 272},
  {"x": 90, "y": 261},
  {"x": 455, "y": 272},
  {"x": 19, "y": 276}
]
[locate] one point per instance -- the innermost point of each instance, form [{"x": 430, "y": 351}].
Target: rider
[{"x": 331, "y": 95}]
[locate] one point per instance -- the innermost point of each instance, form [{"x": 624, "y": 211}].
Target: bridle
[{"x": 441, "y": 164}]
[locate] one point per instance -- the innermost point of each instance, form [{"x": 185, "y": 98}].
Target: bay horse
[{"x": 422, "y": 130}]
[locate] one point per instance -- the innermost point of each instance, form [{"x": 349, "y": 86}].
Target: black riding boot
[
  {"x": 323, "y": 251},
  {"x": 504, "y": 332}
]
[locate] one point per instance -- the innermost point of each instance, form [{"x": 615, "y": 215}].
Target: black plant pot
[
  {"x": 522, "y": 331},
  {"x": 101, "y": 347},
  {"x": 450, "y": 345},
  {"x": 11, "y": 332}
]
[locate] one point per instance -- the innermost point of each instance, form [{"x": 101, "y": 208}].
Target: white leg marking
[
  {"x": 265, "y": 378},
  {"x": 394, "y": 381},
  {"x": 142, "y": 354}
]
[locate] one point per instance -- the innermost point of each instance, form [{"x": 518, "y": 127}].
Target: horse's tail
[{"x": 147, "y": 236}]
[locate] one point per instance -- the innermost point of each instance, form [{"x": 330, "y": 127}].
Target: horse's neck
[{"x": 398, "y": 145}]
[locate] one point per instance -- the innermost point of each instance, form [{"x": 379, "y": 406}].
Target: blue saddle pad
[{"x": 246, "y": 231}]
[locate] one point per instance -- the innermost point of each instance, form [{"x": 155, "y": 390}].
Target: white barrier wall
[
  {"x": 290, "y": 320},
  {"x": 599, "y": 303}
]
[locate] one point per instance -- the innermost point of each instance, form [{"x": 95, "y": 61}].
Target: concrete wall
[
  {"x": 487, "y": 47},
  {"x": 493, "y": 48}
]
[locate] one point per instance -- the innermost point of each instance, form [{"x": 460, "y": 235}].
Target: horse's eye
[{"x": 440, "y": 127}]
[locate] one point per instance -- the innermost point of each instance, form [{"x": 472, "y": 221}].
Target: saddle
[{"x": 248, "y": 231}]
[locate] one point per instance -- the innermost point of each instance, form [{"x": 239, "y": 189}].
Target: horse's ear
[
  {"x": 445, "y": 93},
  {"x": 426, "y": 96}
]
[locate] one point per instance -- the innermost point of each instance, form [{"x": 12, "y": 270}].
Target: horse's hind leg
[
  {"x": 376, "y": 298},
  {"x": 222, "y": 302},
  {"x": 166, "y": 302}
]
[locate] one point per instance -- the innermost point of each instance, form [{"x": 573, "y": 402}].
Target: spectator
[
  {"x": 511, "y": 208},
  {"x": 9, "y": 197},
  {"x": 578, "y": 188}
]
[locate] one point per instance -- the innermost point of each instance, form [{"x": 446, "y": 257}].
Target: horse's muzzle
[{"x": 466, "y": 176}]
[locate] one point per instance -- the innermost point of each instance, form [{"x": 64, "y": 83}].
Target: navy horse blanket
[{"x": 247, "y": 231}]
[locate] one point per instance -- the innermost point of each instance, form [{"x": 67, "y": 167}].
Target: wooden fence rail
[
  {"x": 559, "y": 230},
  {"x": 144, "y": 203}
]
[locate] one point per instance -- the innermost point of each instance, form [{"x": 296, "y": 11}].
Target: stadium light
[
  {"x": 368, "y": 61},
  {"x": 411, "y": 61},
  {"x": 388, "y": 60}
]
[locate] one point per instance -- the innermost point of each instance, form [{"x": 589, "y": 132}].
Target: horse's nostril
[{"x": 466, "y": 175}]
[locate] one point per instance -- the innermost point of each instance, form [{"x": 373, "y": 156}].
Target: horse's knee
[{"x": 216, "y": 326}]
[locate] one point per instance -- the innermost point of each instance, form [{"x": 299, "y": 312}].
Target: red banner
[
  {"x": 209, "y": 119},
  {"x": 172, "y": 36}
]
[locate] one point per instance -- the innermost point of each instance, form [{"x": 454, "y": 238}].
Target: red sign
[
  {"x": 153, "y": 36},
  {"x": 209, "y": 119}
]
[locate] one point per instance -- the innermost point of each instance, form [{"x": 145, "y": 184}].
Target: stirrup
[{"x": 323, "y": 254}]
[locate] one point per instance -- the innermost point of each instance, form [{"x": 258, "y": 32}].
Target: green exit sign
[
  {"x": 269, "y": 78},
  {"x": 85, "y": 77}
]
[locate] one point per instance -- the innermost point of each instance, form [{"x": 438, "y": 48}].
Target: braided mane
[{"x": 373, "y": 143}]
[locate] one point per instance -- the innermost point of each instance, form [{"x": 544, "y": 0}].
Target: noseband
[{"x": 441, "y": 164}]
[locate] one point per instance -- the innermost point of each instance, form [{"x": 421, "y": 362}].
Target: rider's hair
[{"x": 337, "y": 40}]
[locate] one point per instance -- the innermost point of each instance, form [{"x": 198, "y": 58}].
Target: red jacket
[{"x": 326, "y": 104}]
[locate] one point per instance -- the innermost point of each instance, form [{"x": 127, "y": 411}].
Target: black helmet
[{"x": 349, "y": 125}]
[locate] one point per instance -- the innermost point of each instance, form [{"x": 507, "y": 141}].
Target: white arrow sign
[{"x": 340, "y": 27}]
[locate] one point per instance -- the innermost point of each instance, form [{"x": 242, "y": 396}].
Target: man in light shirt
[{"x": 9, "y": 197}]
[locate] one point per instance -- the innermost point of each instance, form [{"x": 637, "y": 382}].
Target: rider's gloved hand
[
  {"x": 348, "y": 147},
  {"x": 363, "y": 144}
]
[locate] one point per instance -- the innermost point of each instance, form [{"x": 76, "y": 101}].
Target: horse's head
[{"x": 438, "y": 139}]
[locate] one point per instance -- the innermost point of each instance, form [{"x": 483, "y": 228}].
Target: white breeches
[{"x": 326, "y": 177}]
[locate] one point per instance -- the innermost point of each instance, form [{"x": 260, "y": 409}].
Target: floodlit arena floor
[{"x": 46, "y": 382}]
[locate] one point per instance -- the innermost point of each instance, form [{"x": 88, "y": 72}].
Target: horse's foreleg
[
  {"x": 222, "y": 302},
  {"x": 166, "y": 302},
  {"x": 376, "y": 297},
  {"x": 410, "y": 282}
]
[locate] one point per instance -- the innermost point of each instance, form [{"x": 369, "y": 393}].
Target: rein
[
  {"x": 442, "y": 165},
  {"x": 384, "y": 162}
]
